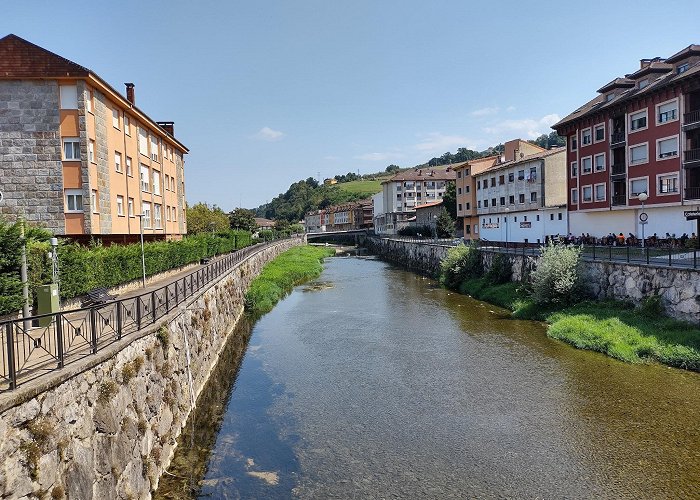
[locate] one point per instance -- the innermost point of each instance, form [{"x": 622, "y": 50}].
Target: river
[{"x": 380, "y": 384}]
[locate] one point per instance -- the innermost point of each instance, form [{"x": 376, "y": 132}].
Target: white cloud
[
  {"x": 527, "y": 128},
  {"x": 268, "y": 134},
  {"x": 375, "y": 156},
  {"x": 440, "y": 143},
  {"x": 485, "y": 111}
]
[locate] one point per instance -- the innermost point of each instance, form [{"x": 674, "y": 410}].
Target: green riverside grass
[
  {"x": 618, "y": 329},
  {"x": 277, "y": 278}
]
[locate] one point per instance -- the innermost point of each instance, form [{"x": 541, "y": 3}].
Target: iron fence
[{"x": 40, "y": 344}]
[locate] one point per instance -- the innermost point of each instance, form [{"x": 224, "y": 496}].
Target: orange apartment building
[
  {"x": 78, "y": 157},
  {"x": 465, "y": 186}
]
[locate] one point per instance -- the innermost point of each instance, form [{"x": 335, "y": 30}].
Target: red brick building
[{"x": 641, "y": 134}]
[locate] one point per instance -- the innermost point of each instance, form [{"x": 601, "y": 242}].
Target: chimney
[
  {"x": 420, "y": 172},
  {"x": 130, "y": 93},
  {"x": 169, "y": 127}
]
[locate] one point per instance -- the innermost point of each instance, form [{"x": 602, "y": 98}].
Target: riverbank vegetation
[
  {"x": 277, "y": 278},
  {"x": 555, "y": 293}
]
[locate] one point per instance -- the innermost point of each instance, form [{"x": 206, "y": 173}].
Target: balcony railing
[
  {"x": 692, "y": 117},
  {"x": 692, "y": 193},
  {"x": 618, "y": 169},
  {"x": 692, "y": 155},
  {"x": 617, "y": 138},
  {"x": 619, "y": 200}
]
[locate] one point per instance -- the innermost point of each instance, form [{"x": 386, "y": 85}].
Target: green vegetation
[
  {"x": 557, "y": 296},
  {"x": 363, "y": 188},
  {"x": 243, "y": 219},
  {"x": 282, "y": 274},
  {"x": 204, "y": 219},
  {"x": 445, "y": 224}
]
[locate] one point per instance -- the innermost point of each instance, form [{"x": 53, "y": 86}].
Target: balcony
[
  {"x": 692, "y": 118},
  {"x": 618, "y": 169},
  {"x": 691, "y": 155},
  {"x": 617, "y": 139},
  {"x": 619, "y": 200},
  {"x": 692, "y": 193}
]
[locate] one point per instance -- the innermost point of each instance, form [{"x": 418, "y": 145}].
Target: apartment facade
[
  {"x": 403, "y": 192},
  {"x": 344, "y": 217},
  {"x": 522, "y": 197},
  {"x": 78, "y": 157},
  {"x": 467, "y": 218},
  {"x": 641, "y": 134}
]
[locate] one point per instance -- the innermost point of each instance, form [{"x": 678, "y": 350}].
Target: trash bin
[{"x": 47, "y": 302}]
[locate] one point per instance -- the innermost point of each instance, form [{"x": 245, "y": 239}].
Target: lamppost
[
  {"x": 643, "y": 216},
  {"x": 143, "y": 255},
  {"x": 54, "y": 267},
  {"x": 505, "y": 218}
]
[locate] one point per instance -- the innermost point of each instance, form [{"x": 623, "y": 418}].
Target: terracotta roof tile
[{"x": 22, "y": 59}]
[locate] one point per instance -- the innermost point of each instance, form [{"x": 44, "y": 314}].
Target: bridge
[{"x": 354, "y": 235}]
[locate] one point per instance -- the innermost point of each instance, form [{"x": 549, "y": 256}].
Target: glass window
[
  {"x": 511, "y": 177},
  {"x": 120, "y": 205},
  {"x": 574, "y": 168},
  {"x": 74, "y": 200},
  {"x": 667, "y": 112},
  {"x": 638, "y": 120},
  {"x": 117, "y": 161},
  {"x": 157, "y": 215},
  {"x": 586, "y": 137},
  {"x": 115, "y": 118},
  {"x": 667, "y": 148},
  {"x": 131, "y": 207},
  {"x": 145, "y": 179},
  {"x": 156, "y": 182},
  {"x": 521, "y": 198},
  {"x": 93, "y": 201},
  {"x": 599, "y": 133},
  {"x": 71, "y": 149},
  {"x": 599, "y": 162},
  {"x": 600, "y": 192},
  {"x": 586, "y": 165},
  {"x": 91, "y": 151},
  {"x": 533, "y": 196},
  {"x": 638, "y": 154},
  {"x": 638, "y": 186},
  {"x": 587, "y": 195},
  {"x": 574, "y": 196},
  {"x": 128, "y": 166},
  {"x": 69, "y": 96},
  {"x": 146, "y": 211},
  {"x": 127, "y": 125},
  {"x": 668, "y": 184}
]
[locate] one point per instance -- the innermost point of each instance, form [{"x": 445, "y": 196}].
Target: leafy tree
[
  {"x": 444, "y": 225},
  {"x": 201, "y": 218},
  {"x": 549, "y": 141},
  {"x": 242, "y": 218},
  {"x": 10, "y": 256},
  {"x": 392, "y": 169},
  {"x": 282, "y": 225},
  {"x": 449, "y": 200},
  {"x": 558, "y": 278}
]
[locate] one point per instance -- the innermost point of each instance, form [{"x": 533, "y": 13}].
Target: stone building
[{"x": 78, "y": 157}]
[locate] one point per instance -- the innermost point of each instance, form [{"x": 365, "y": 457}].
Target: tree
[
  {"x": 201, "y": 218},
  {"x": 392, "y": 169},
  {"x": 549, "y": 141},
  {"x": 449, "y": 200},
  {"x": 282, "y": 225},
  {"x": 242, "y": 218},
  {"x": 444, "y": 225}
]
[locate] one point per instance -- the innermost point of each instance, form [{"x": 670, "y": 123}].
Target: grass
[
  {"x": 615, "y": 328},
  {"x": 364, "y": 188},
  {"x": 277, "y": 278}
]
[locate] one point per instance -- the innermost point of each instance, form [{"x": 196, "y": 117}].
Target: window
[
  {"x": 609, "y": 97},
  {"x": 521, "y": 198},
  {"x": 145, "y": 179},
  {"x": 71, "y": 149},
  {"x": 643, "y": 83},
  {"x": 573, "y": 142},
  {"x": 88, "y": 102},
  {"x": 511, "y": 200},
  {"x": 157, "y": 215},
  {"x": 486, "y": 203},
  {"x": 551, "y": 216},
  {"x": 521, "y": 175},
  {"x": 156, "y": 182},
  {"x": 143, "y": 142},
  {"x": 574, "y": 196},
  {"x": 586, "y": 165},
  {"x": 93, "y": 201},
  {"x": 638, "y": 186},
  {"x": 468, "y": 206},
  {"x": 69, "y": 96},
  {"x": 667, "y": 148},
  {"x": 146, "y": 211},
  {"x": 493, "y": 202},
  {"x": 128, "y": 167},
  {"x": 533, "y": 196},
  {"x": 559, "y": 216},
  {"x": 478, "y": 204},
  {"x": 638, "y": 121},
  {"x": 574, "y": 168},
  {"x": 459, "y": 174},
  {"x": 501, "y": 180},
  {"x": 459, "y": 207},
  {"x": 478, "y": 185},
  {"x": 115, "y": 118},
  {"x": 682, "y": 68},
  {"x": 74, "y": 200},
  {"x": 493, "y": 181},
  {"x": 639, "y": 154},
  {"x": 600, "y": 192},
  {"x": 127, "y": 125},
  {"x": 599, "y": 161},
  {"x": 459, "y": 190},
  {"x": 587, "y": 195},
  {"x": 586, "y": 137},
  {"x": 154, "y": 148},
  {"x": 511, "y": 177},
  {"x": 91, "y": 151},
  {"x": 667, "y": 112},
  {"x": 466, "y": 188},
  {"x": 668, "y": 184},
  {"x": 599, "y": 133},
  {"x": 117, "y": 161},
  {"x": 120, "y": 205},
  {"x": 131, "y": 207},
  {"x": 503, "y": 201}
]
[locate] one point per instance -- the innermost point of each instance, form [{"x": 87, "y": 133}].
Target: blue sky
[{"x": 268, "y": 92}]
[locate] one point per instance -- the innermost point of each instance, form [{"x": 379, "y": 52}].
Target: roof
[
  {"x": 661, "y": 67},
  {"x": 21, "y": 59},
  {"x": 425, "y": 174},
  {"x": 525, "y": 159},
  {"x": 428, "y": 205},
  {"x": 262, "y": 222}
]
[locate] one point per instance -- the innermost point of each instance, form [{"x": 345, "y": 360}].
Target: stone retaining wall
[
  {"x": 679, "y": 288},
  {"x": 106, "y": 427}
]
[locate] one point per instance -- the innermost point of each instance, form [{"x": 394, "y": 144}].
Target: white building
[
  {"x": 522, "y": 198},
  {"x": 378, "y": 218}
]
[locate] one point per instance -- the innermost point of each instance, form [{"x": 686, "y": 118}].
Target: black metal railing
[
  {"x": 691, "y": 117},
  {"x": 31, "y": 351},
  {"x": 691, "y": 155},
  {"x": 617, "y": 138},
  {"x": 618, "y": 169},
  {"x": 619, "y": 200},
  {"x": 692, "y": 193}
]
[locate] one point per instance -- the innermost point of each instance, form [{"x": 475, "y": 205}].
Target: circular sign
[{"x": 643, "y": 217}]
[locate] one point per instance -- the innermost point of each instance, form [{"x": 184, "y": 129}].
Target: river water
[{"x": 380, "y": 384}]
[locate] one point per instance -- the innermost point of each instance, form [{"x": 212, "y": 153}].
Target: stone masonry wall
[
  {"x": 31, "y": 171},
  {"x": 107, "y": 429},
  {"x": 679, "y": 288},
  {"x": 103, "y": 116}
]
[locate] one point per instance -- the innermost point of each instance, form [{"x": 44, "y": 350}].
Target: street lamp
[
  {"x": 643, "y": 216},
  {"x": 54, "y": 267},
  {"x": 143, "y": 255}
]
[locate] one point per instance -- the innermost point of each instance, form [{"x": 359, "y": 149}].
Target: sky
[{"x": 268, "y": 92}]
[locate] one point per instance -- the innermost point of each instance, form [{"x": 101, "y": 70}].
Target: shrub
[
  {"x": 652, "y": 307},
  {"x": 558, "y": 277},
  {"x": 501, "y": 269},
  {"x": 462, "y": 262}
]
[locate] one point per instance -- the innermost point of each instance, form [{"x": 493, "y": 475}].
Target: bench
[{"x": 96, "y": 297}]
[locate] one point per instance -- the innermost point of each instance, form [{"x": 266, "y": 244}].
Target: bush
[
  {"x": 462, "y": 262},
  {"x": 558, "y": 277},
  {"x": 501, "y": 269},
  {"x": 426, "y": 231}
]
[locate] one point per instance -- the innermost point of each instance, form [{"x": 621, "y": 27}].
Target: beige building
[{"x": 80, "y": 158}]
